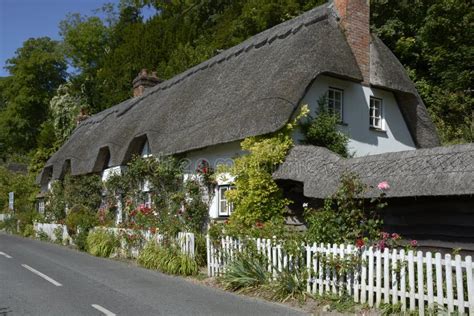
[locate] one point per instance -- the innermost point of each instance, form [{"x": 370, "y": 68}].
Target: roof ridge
[{"x": 307, "y": 18}]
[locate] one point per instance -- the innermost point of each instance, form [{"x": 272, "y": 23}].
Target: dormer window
[
  {"x": 336, "y": 102},
  {"x": 146, "y": 150}
]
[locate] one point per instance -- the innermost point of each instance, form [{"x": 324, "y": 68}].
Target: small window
[
  {"x": 336, "y": 102},
  {"x": 375, "y": 113},
  {"x": 146, "y": 152},
  {"x": 148, "y": 200},
  {"x": 225, "y": 207},
  {"x": 41, "y": 207}
]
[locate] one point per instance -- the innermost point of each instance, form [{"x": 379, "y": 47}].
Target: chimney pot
[{"x": 144, "y": 81}]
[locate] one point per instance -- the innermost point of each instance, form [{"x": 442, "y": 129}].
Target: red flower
[
  {"x": 413, "y": 243},
  {"x": 360, "y": 243},
  {"x": 259, "y": 225}
]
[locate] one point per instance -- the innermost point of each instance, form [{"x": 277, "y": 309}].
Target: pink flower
[
  {"x": 395, "y": 236},
  {"x": 383, "y": 186},
  {"x": 413, "y": 243},
  {"x": 385, "y": 235},
  {"x": 359, "y": 243}
]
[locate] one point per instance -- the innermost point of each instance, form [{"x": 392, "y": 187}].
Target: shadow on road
[{"x": 4, "y": 311}]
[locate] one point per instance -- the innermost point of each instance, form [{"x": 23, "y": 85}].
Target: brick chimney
[
  {"x": 143, "y": 81},
  {"x": 83, "y": 115},
  {"x": 355, "y": 21}
]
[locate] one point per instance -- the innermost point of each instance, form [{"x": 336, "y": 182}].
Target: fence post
[
  {"x": 429, "y": 279},
  {"x": 411, "y": 279},
  {"x": 421, "y": 288},
  {"x": 459, "y": 284},
  {"x": 470, "y": 284},
  {"x": 449, "y": 282},
  {"x": 371, "y": 277},
  {"x": 439, "y": 280},
  {"x": 378, "y": 278},
  {"x": 403, "y": 281}
]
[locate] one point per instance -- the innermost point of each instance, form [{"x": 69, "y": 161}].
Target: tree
[{"x": 37, "y": 69}]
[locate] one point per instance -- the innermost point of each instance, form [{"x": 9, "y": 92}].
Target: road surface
[{"x": 40, "y": 278}]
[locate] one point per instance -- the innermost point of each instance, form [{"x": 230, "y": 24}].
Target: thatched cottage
[{"x": 255, "y": 88}]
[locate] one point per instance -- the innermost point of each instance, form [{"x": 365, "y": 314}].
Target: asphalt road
[{"x": 40, "y": 278}]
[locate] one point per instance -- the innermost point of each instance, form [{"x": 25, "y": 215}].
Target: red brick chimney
[
  {"x": 355, "y": 21},
  {"x": 143, "y": 81}
]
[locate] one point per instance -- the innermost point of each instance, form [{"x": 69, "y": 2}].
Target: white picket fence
[{"x": 415, "y": 280}]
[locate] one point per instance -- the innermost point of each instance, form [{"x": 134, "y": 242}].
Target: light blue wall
[{"x": 363, "y": 140}]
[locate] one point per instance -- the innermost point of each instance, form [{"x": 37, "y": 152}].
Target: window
[
  {"x": 148, "y": 200},
  {"x": 41, "y": 207},
  {"x": 335, "y": 102},
  {"x": 225, "y": 207},
  {"x": 375, "y": 113}
]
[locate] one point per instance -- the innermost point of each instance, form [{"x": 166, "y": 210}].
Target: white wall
[
  {"x": 363, "y": 140},
  {"x": 215, "y": 155}
]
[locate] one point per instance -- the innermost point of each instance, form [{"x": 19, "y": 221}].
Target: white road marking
[
  {"x": 5, "y": 255},
  {"x": 44, "y": 276},
  {"x": 103, "y": 310}
]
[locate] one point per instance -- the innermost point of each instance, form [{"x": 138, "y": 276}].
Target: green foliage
[
  {"x": 167, "y": 259},
  {"x": 290, "y": 284},
  {"x": 24, "y": 187},
  {"x": 346, "y": 216},
  {"x": 177, "y": 205},
  {"x": 322, "y": 130},
  {"x": 101, "y": 243},
  {"x": 246, "y": 270},
  {"x": 84, "y": 190},
  {"x": 28, "y": 231},
  {"x": 427, "y": 36},
  {"x": 58, "y": 234},
  {"x": 41, "y": 235},
  {"x": 79, "y": 221},
  {"x": 37, "y": 69},
  {"x": 256, "y": 197},
  {"x": 64, "y": 109}
]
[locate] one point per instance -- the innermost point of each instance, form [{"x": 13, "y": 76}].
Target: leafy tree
[
  {"x": 427, "y": 37},
  {"x": 37, "y": 69}
]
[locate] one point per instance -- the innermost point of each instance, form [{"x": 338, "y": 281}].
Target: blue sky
[{"x": 22, "y": 19}]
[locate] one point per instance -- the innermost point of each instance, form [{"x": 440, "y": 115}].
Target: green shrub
[
  {"x": 346, "y": 216},
  {"x": 101, "y": 243},
  {"x": 167, "y": 259},
  {"x": 247, "y": 270},
  {"x": 41, "y": 235},
  {"x": 29, "y": 231},
  {"x": 10, "y": 225},
  {"x": 58, "y": 234},
  {"x": 78, "y": 222},
  {"x": 322, "y": 130}
]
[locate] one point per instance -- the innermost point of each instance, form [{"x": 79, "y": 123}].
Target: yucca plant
[
  {"x": 101, "y": 243},
  {"x": 290, "y": 284},
  {"x": 247, "y": 270}
]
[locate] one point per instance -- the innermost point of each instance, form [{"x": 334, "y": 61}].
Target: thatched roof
[
  {"x": 251, "y": 89},
  {"x": 439, "y": 171}
]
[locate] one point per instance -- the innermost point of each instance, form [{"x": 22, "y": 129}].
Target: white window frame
[
  {"x": 221, "y": 198},
  {"x": 373, "y": 118},
  {"x": 41, "y": 206},
  {"x": 332, "y": 102}
]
